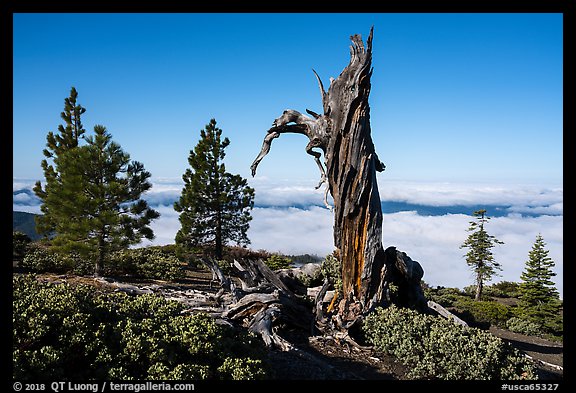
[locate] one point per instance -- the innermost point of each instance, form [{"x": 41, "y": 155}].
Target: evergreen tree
[
  {"x": 91, "y": 199},
  {"x": 98, "y": 208},
  {"x": 57, "y": 145},
  {"x": 214, "y": 205},
  {"x": 479, "y": 256},
  {"x": 539, "y": 300}
]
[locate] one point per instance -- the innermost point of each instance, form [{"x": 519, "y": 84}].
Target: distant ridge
[{"x": 24, "y": 222}]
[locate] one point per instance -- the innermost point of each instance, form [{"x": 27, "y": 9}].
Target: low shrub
[
  {"x": 503, "y": 289},
  {"x": 20, "y": 244},
  {"x": 519, "y": 325},
  {"x": 479, "y": 312},
  {"x": 446, "y": 297},
  {"x": 436, "y": 348},
  {"x": 277, "y": 262},
  {"x": 549, "y": 319},
  {"x": 41, "y": 259},
  {"x": 331, "y": 269},
  {"x": 148, "y": 262},
  {"x": 499, "y": 289},
  {"x": 63, "y": 332}
]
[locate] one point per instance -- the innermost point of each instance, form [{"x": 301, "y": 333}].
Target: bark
[
  {"x": 99, "y": 266},
  {"x": 342, "y": 133},
  {"x": 226, "y": 284},
  {"x": 445, "y": 313},
  {"x": 262, "y": 303},
  {"x": 479, "y": 287}
]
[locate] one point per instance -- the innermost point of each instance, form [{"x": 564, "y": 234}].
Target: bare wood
[
  {"x": 225, "y": 282},
  {"x": 250, "y": 302},
  {"x": 256, "y": 274},
  {"x": 319, "y": 315},
  {"x": 343, "y": 134},
  {"x": 445, "y": 313}
]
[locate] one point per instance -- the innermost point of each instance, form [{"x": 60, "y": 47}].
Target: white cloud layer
[
  {"x": 434, "y": 241},
  {"x": 522, "y": 198}
]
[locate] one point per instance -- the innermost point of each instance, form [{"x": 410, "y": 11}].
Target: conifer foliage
[
  {"x": 91, "y": 201},
  {"x": 539, "y": 300},
  {"x": 57, "y": 144},
  {"x": 214, "y": 205},
  {"x": 479, "y": 256}
]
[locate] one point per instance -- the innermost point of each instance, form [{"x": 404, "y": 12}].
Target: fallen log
[{"x": 445, "y": 313}]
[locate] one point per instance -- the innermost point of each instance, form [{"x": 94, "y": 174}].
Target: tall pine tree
[
  {"x": 479, "y": 256},
  {"x": 91, "y": 201},
  {"x": 214, "y": 205},
  {"x": 57, "y": 145},
  {"x": 99, "y": 205},
  {"x": 539, "y": 300}
]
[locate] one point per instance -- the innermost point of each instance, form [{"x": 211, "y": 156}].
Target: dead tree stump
[{"x": 343, "y": 135}]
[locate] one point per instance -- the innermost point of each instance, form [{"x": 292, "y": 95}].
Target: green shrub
[
  {"x": 499, "y": 289},
  {"x": 41, "y": 259},
  {"x": 20, "y": 243},
  {"x": 81, "y": 265},
  {"x": 550, "y": 324},
  {"x": 331, "y": 269},
  {"x": 277, "y": 262},
  {"x": 446, "y": 297},
  {"x": 482, "y": 311},
  {"x": 523, "y": 326},
  {"x": 242, "y": 369},
  {"x": 148, "y": 262},
  {"x": 72, "y": 333},
  {"x": 436, "y": 348},
  {"x": 503, "y": 289}
]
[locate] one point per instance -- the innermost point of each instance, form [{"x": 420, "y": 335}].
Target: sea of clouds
[{"x": 290, "y": 217}]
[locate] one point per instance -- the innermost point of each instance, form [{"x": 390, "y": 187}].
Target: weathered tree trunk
[
  {"x": 351, "y": 163},
  {"x": 343, "y": 134},
  {"x": 479, "y": 287},
  {"x": 99, "y": 265}
]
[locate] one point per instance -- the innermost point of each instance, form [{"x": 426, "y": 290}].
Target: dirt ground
[
  {"x": 541, "y": 350},
  {"x": 327, "y": 358},
  {"x": 338, "y": 360}
]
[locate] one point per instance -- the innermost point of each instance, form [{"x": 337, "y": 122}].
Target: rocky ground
[{"x": 328, "y": 358}]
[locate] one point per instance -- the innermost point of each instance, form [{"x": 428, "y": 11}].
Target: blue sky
[
  {"x": 454, "y": 96},
  {"x": 466, "y": 110}
]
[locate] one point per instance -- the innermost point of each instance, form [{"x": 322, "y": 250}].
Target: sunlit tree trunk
[{"x": 343, "y": 135}]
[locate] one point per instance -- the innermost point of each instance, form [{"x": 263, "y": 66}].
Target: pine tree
[
  {"x": 479, "y": 256},
  {"x": 57, "y": 145},
  {"x": 98, "y": 208},
  {"x": 539, "y": 300},
  {"x": 214, "y": 205},
  {"x": 91, "y": 199}
]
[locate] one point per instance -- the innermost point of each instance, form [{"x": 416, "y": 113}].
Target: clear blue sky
[{"x": 454, "y": 96}]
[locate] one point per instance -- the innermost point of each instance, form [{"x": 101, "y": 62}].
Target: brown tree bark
[{"x": 343, "y": 135}]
